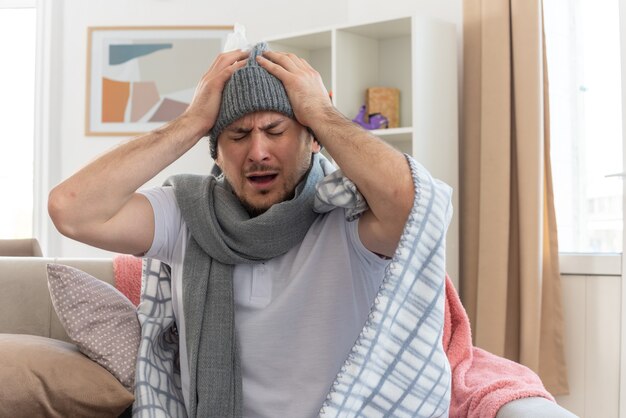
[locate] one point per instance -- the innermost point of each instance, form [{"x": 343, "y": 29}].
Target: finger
[
  {"x": 224, "y": 75},
  {"x": 225, "y": 59},
  {"x": 307, "y": 65},
  {"x": 231, "y": 57},
  {"x": 224, "y": 62},
  {"x": 288, "y": 61},
  {"x": 299, "y": 62},
  {"x": 235, "y": 55},
  {"x": 235, "y": 66},
  {"x": 273, "y": 68}
]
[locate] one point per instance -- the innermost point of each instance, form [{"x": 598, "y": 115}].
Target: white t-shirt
[{"x": 296, "y": 316}]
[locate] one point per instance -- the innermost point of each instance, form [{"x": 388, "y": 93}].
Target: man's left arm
[{"x": 380, "y": 172}]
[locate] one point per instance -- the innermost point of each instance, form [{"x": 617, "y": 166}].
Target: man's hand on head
[
  {"x": 305, "y": 88},
  {"x": 207, "y": 98},
  {"x": 380, "y": 172}
]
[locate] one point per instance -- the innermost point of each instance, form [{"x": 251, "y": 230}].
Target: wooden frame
[{"x": 140, "y": 77}]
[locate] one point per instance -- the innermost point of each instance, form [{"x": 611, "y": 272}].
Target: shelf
[
  {"x": 399, "y": 138},
  {"x": 415, "y": 54},
  {"x": 374, "y": 55},
  {"x": 386, "y": 29},
  {"x": 310, "y": 41},
  {"x": 392, "y": 135}
]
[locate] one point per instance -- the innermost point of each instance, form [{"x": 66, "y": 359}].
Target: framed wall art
[{"x": 139, "y": 78}]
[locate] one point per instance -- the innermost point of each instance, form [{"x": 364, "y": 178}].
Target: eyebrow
[{"x": 266, "y": 127}]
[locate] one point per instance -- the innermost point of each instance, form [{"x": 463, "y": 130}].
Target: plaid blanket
[{"x": 396, "y": 368}]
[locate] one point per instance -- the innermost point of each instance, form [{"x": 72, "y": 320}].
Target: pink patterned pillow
[{"x": 100, "y": 320}]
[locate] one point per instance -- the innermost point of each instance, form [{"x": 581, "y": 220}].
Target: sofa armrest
[
  {"x": 534, "y": 407},
  {"x": 25, "y": 304},
  {"x": 28, "y": 247}
]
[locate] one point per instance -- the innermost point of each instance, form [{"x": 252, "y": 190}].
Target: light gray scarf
[{"x": 223, "y": 234}]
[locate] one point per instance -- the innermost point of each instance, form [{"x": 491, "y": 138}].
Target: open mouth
[{"x": 262, "y": 179}]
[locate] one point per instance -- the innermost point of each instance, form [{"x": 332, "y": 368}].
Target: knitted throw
[{"x": 223, "y": 234}]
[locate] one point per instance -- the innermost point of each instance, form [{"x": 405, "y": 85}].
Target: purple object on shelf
[{"x": 376, "y": 120}]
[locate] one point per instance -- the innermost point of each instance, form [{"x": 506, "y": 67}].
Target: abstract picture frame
[{"x": 141, "y": 77}]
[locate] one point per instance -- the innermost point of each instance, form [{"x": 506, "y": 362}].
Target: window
[
  {"x": 583, "y": 52},
  {"x": 18, "y": 27}
]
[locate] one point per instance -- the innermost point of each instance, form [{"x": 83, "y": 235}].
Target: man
[{"x": 300, "y": 284}]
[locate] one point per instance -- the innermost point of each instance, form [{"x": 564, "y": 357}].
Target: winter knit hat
[{"x": 250, "y": 89}]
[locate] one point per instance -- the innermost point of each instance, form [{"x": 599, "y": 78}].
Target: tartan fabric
[
  {"x": 397, "y": 367},
  {"x": 337, "y": 191},
  {"x": 158, "y": 389}
]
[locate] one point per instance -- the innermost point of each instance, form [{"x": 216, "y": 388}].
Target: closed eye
[
  {"x": 276, "y": 133},
  {"x": 238, "y": 136}
]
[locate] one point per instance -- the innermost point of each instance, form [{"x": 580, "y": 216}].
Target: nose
[{"x": 259, "y": 147}]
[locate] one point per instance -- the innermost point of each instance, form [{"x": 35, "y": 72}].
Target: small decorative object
[
  {"x": 376, "y": 120},
  {"x": 386, "y": 101}
]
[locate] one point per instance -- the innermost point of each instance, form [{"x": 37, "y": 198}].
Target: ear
[
  {"x": 218, "y": 157},
  {"x": 216, "y": 170},
  {"x": 315, "y": 146}
]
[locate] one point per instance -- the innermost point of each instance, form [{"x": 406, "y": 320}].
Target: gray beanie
[{"x": 250, "y": 89}]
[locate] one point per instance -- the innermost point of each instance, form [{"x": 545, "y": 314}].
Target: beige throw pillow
[
  {"x": 98, "y": 318},
  {"x": 42, "y": 377}
]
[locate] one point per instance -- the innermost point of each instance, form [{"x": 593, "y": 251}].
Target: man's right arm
[{"x": 99, "y": 205}]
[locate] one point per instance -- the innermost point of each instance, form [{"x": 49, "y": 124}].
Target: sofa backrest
[
  {"x": 28, "y": 247},
  {"x": 25, "y": 304}
]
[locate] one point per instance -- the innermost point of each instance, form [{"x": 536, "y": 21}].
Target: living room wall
[{"x": 69, "y": 148}]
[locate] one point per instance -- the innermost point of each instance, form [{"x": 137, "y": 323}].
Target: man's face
[{"x": 264, "y": 155}]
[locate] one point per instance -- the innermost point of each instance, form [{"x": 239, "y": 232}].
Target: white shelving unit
[{"x": 414, "y": 54}]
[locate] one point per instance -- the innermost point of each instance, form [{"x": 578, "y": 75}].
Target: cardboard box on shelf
[{"x": 386, "y": 101}]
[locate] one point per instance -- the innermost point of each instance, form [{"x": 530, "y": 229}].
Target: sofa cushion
[
  {"x": 45, "y": 377},
  {"x": 99, "y": 319}
]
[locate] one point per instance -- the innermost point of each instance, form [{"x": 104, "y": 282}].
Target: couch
[
  {"x": 25, "y": 304},
  {"x": 26, "y": 247},
  {"x": 29, "y": 324},
  {"x": 26, "y": 308}
]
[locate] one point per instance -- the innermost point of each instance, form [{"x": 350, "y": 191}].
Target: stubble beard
[
  {"x": 287, "y": 192},
  {"x": 254, "y": 210}
]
